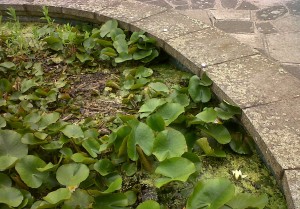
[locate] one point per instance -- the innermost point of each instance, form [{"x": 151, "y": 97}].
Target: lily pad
[
  {"x": 72, "y": 174},
  {"x": 73, "y": 131},
  {"x": 58, "y": 196},
  {"x": 170, "y": 112},
  {"x": 10, "y": 196},
  {"x": 245, "y": 200},
  {"x": 149, "y": 204}
]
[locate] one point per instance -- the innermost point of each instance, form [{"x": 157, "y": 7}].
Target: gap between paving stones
[{"x": 267, "y": 94}]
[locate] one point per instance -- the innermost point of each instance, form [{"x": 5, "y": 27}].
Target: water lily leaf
[
  {"x": 226, "y": 111},
  {"x": 72, "y": 174},
  {"x": 239, "y": 143},
  {"x": 245, "y": 200},
  {"x": 115, "y": 32},
  {"x": 2, "y": 102},
  {"x": 153, "y": 55},
  {"x": 205, "y": 80},
  {"x": 40, "y": 135},
  {"x": 169, "y": 143},
  {"x": 48, "y": 119},
  {"x": 198, "y": 92},
  {"x": 156, "y": 122},
  {"x": 124, "y": 56},
  {"x": 92, "y": 146},
  {"x": 82, "y": 158},
  {"x": 173, "y": 170},
  {"x": 143, "y": 72},
  {"x": 41, "y": 205},
  {"x": 89, "y": 43},
  {"x": 49, "y": 167},
  {"x": 27, "y": 168},
  {"x": 37, "y": 69},
  {"x": 120, "y": 43},
  {"x": 150, "y": 106},
  {"x": 211, "y": 194},
  {"x": 135, "y": 37},
  {"x": 170, "y": 112},
  {"x": 2, "y": 122},
  {"x": 29, "y": 138},
  {"x": 83, "y": 57},
  {"x": 208, "y": 115},
  {"x": 54, "y": 43},
  {"x": 208, "y": 149},
  {"x": 218, "y": 132},
  {"x": 107, "y": 27},
  {"x": 73, "y": 131},
  {"x": 109, "y": 52},
  {"x": 8, "y": 65},
  {"x": 104, "y": 167},
  {"x": 11, "y": 148},
  {"x": 10, "y": 196},
  {"x": 5, "y": 85},
  {"x": 141, "y": 135},
  {"x": 138, "y": 55},
  {"x": 27, "y": 84},
  {"x": 149, "y": 204},
  {"x": 114, "y": 183},
  {"x": 111, "y": 201},
  {"x": 58, "y": 196},
  {"x": 179, "y": 98},
  {"x": 80, "y": 199},
  {"x": 159, "y": 87},
  {"x": 129, "y": 168}
]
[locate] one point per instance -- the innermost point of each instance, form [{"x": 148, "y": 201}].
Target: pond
[{"x": 92, "y": 117}]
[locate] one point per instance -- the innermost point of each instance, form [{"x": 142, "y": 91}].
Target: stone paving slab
[
  {"x": 231, "y": 14},
  {"x": 291, "y": 186},
  {"x": 235, "y": 26},
  {"x": 173, "y": 25},
  {"x": 288, "y": 24},
  {"x": 252, "y": 81},
  {"x": 275, "y": 128},
  {"x": 208, "y": 46}
]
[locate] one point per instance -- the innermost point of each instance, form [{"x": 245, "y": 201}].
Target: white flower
[{"x": 238, "y": 174}]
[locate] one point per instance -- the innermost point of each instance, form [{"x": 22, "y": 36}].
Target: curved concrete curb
[{"x": 268, "y": 96}]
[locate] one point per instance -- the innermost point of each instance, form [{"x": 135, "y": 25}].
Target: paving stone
[
  {"x": 252, "y": 81},
  {"x": 178, "y": 2},
  {"x": 197, "y": 14},
  {"x": 266, "y": 28},
  {"x": 253, "y": 40},
  {"x": 271, "y": 13},
  {"x": 229, "y": 4},
  {"x": 182, "y": 7},
  {"x": 202, "y": 4},
  {"x": 293, "y": 69},
  {"x": 128, "y": 12},
  {"x": 275, "y": 128},
  {"x": 231, "y": 14},
  {"x": 209, "y": 46},
  {"x": 247, "y": 6},
  {"x": 294, "y": 7},
  {"x": 16, "y": 4},
  {"x": 173, "y": 25},
  {"x": 235, "y": 26},
  {"x": 291, "y": 187},
  {"x": 288, "y": 24},
  {"x": 284, "y": 47},
  {"x": 160, "y": 3}
]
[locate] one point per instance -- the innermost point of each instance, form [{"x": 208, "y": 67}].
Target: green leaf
[
  {"x": 109, "y": 52},
  {"x": 114, "y": 183},
  {"x": 10, "y": 196},
  {"x": 89, "y": 43},
  {"x": 123, "y": 57},
  {"x": 54, "y": 43},
  {"x": 120, "y": 44},
  {"x": 92, "y": 146},
  {"x": 5, "y": 85},
  {"x": 58, "y": 196},
  {"x": 104, "y": 167},
  {"x": 208, "y": 115},
  {"x": 27, "y": 84},
  {"x": 173, "y": 170},
  {"x": 218, "y": 132},
  {"x": 227, "y": 111},
  {"x": 80, "y": 199},
  {"x": 8, "y": 65},
  {"x": 210, "y": 150},
  {"x": 156, "y": 122},
  {"x": 81, "y": 157},
  {"x": 239, "y": 143},
  {"x": 205, "y": 80},
  {"x": 73, "y": 131},
  {"x": 159, "y": 87},
  {"x": 141, "y": 135},
  {"x": 48, "y": 119},
  {"x": 5, "y": 180},
  {"x": 149, "y": 204},
  {"x": 150, "y": 106},
  {"x": 170, "y": 112},
  {"x": 11, "y": 148},
  {"x": 179, "y": 98},
  {"x": 211, "y": 194},
  {"x": 2, "y": 122},
  {"x": 129, "y": 168},
  {"x": 245, "y": 200},
  {"x": 153, "y": 55},
  {"x": 115, "y": 32},
  {"x": 135, "y": 37},
  {"x": 83, "y": 57},
  {"x": 72, "y": 174},
  {"x": 143, "y": 72},
  {"x": 198, "y": 92},
  {"x": 107, "y": 27},
  {"x": 140, "y": 54},
  {"x": 111, "y": 201},
  {"x": 27, "y": 168},
  {"x": 169, "y": 143}
]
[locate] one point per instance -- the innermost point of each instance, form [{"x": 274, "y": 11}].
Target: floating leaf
[
  {"x": 208, "y": 115},
  {"x": 111, "y": 201},
  {"x": 170, "y": 112},
  {"x": 150, "y": 106},
  {"x": 27, "y": 168},
  {"x": 226, "y": 111},
  {"x": 120, "y": 44},
  {"x": 211, "y": 194},
  {"x": 245, "y": 200},
  {"x": 109, "y": 52},
  {"x": 73, "y": 131},
  {"x": 89, "y": 43},
  {"x": 141, "y": 135},
  {"x": 198, "y": 92},
  {"x": 104, "y": 167},
  {"x": 169, "y": 143},
  {"x": 48, "y": 119},
  {"x": 143, "y": 72},
  {"x": 54, "y": 43},
  {"x": 239, "y": 143},
  {"x": 2, "y": 122},
  {"x": 208, "y": 149},
  {"x": 8, "y": 65},
  {"x": 107, "y": 27},
  {"x": 5, "y": 180},
  {"x": 58, "y": 196},
  {"x": 80, "y": 199},
  {"x": 159, "y": 87},
  {"x": 11, "y": 148},
  {"x": 156, "y": 122},
  {"x": 173, "y": 170},
  {"x": 149, "y": 204},
  {"x": 115, "y": 32},
  {"x": 82, "y": 158},
  {"x": 123, "y": 57},
  {"x": 27, "y": 84},
  {"x": 92, "y": 146},
  {"x": 72, "y": 174},
  {"x": 153, "y": 55},
  {"x": 10, "y": 196},
  {"x": 179, "y": 98},
  {"x": 5, "y": 85},
  {"x": 218, "y": 132},
  {"x": 138, "y": 55},
  {"x": 129, "y": 168},
  {"x": 135, "y": 37},
  {"x": 114, "y": 183},
  {"x": 83, "y": 57}
]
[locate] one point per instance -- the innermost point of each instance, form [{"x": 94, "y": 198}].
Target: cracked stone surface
[
  {"x": 294, "y": 7},
  {"x": 266, "y": 28},
  {"x": 247, "y": 6},
  {"x": 271, "y": 13},
  {"x": 291, "y": 185},
  {"x": 276, "y": 129},
  {"x": 229, "y": 4},
  {"x": 235, "y": 26},
  {"x": 252, "y": 81},
  {"x": 202, "y": 4},
  {"x": 288, "y": 24}
]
